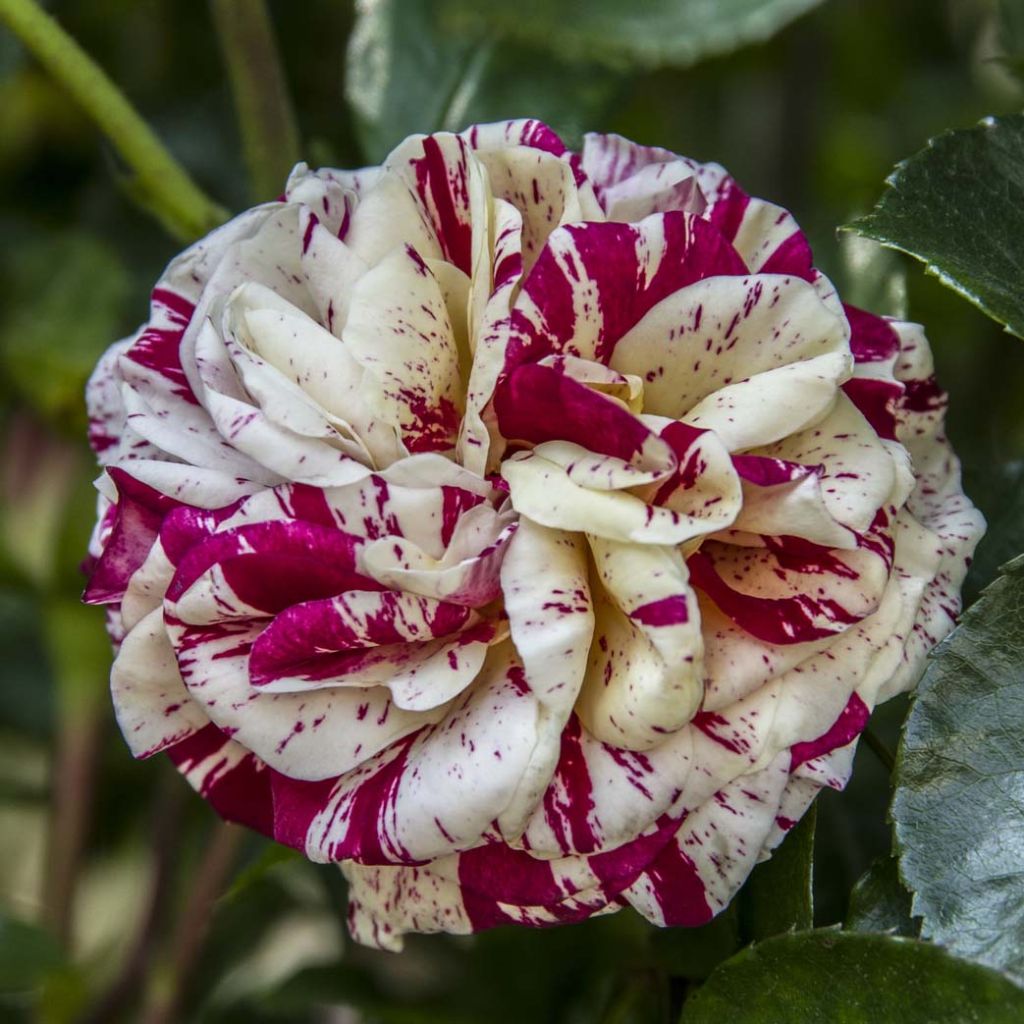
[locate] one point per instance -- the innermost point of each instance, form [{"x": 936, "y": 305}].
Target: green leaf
[
  {"x": 64, "y": 301},
  {"x": 27, "y": 955},
  {"x": 833, "y": 977},
  {"x": 960, "y": 784},
  {"x": 880, "y": 903},
  {"x": 958, "y": 206},
  {"x": 778, "y": 895},
  {"x": 650, "y": 34},
  {"x": 406, "y": 73},
  {"x": 400, "y": 73}
]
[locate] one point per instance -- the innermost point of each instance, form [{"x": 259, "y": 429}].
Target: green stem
[
  {"x": 165, "y": 185},
  {"x": 266, "y": 118}
]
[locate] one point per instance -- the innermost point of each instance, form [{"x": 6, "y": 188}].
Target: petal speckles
[{"x": 529, "y": 532}]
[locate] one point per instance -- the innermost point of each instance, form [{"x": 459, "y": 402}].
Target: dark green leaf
[
  {"x": 880, "y": 903},
  {"x": 520, "y": 81},
  {"x": 27, "y": 955},
  {"x": 832, "y": 977},
  {"x": 401, "y": 73},
  {"x": 958, "y": 206},
  {"x": 406, "y": 73},
  {"x": 651, "y": 34},
  {"x": 778, "y": 895},
  {"x": 960, "y": 784},
  {"x": 64, "y": 995}
]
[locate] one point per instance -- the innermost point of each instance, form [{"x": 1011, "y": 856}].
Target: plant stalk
[
  {"x": 163, "y": 183},
  {"x": 165, "y": 838},
  {"x": 206, "y": 886},
  {"x": 266, "y": 117},
  {"x": 79, "y": 654}
]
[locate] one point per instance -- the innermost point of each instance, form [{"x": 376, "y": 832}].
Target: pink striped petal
[
  {"x": 153, "y": 708},
  {"x": 722, "y": 331},
  {"x": 858, "y": 473},
  {"x": 450, "y": 186},
  {"x": 520, "y": 132},
  {"x": 491, "y": 332},
  {"x": 224, "y": 773},
  {"x": 399, "y": 331},
  {"x": 547, "y": 599},
  {"x": 544, "y": 491},
  {"x": 767, "y": 591},
  {"x": 439, "y": 790},
  {"x": 782, "y": 498},
  {"x": 538, "y": 404},
  {"x": 593, "y": 283},
  {"x": 644, "y": 677}
]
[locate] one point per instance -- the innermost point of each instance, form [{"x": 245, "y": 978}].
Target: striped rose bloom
[{"x": 530, "y": 532}]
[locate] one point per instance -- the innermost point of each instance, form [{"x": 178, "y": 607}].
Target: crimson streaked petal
[
  {"x": 644, "y": 677},
  {"x": 593, "y": 283}
]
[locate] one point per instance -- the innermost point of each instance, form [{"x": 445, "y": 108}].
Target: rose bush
[{"x": 530, "y": 532}]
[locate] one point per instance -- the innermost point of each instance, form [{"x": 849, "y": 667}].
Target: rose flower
[{"x": 530, "y": 532}]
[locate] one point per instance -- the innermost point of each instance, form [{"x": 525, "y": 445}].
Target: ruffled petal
[
  {"x": 644, "y": 677},
  {"x": 399, "y": 331}
]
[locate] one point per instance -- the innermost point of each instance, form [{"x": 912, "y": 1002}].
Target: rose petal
[
  {"x": 644, "y": 675},
  {"x": 398, "y": 330}
]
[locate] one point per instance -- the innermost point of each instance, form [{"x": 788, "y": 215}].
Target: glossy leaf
[
  {"x": 831, "y": 976},
  {"x": 880, "y": 903},
  {"x": 960, "y": 784},
  {"x": 408, "y": 72},
  {"x": 652, "y": 34},
  {"x": 958, "y": 206}
]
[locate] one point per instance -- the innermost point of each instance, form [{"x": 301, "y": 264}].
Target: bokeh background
[{"x": 121, "y": 896}]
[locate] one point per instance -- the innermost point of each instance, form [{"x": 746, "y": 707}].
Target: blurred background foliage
[{"x": 120, "y": 896}]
